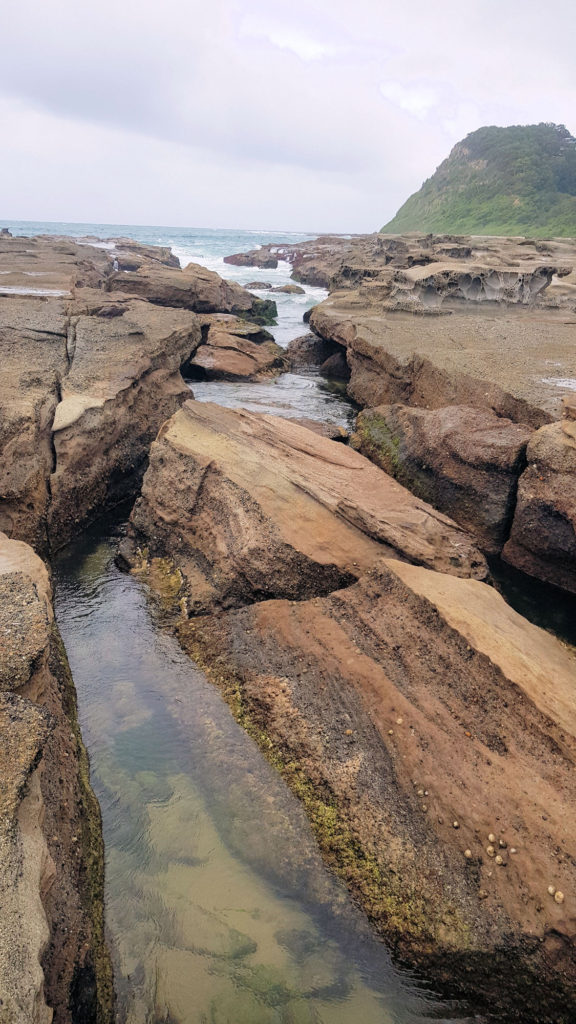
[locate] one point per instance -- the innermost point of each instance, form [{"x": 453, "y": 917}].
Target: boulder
[
  {"x": 233, "y": 349},
  {"x": 438, "y": 729},
  {"x": 194, "y": 288},
  {"x": 310, "y": 350},
  {"x": 289, "y": 289},
  {"x": 262, "y": 258},
  {"x": 52, "y": 952},
  {"x": 463, "y": 461},
  {"x": 543, "y": 537},
  {"x": 253, "y": 506}
]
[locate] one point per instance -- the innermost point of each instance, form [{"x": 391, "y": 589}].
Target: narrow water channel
[{"x": 219, "y": 908}]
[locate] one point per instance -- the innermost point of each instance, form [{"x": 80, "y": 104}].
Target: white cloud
[{"x": 418, "y": 100}]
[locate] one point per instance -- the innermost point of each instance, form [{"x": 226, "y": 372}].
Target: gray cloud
[{"x": 315, "y": 114}]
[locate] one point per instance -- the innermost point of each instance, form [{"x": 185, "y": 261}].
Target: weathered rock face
[
  {"x": 543, "y": 537},
  {"x": 53, "y": 962},
  {"x": 123, "y": 382},
  {"x": 90, "y": 373},
  {"x": 463, "y": 461},
  {"x": 194, "y": 288},
  {"x": 233, "y": 349},
  {"x": 419, "y": 705},
  {"x": 257, "y": 258},
  {"x": 310, "y": 350},
  {"x": 267, "y": 508}
]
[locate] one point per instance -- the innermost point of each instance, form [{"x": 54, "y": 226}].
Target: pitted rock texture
[
  {"x": 465, "y": 462},
  {"x": 251, "y": 506},
  {"x": 442, "y": 726},
  {"x": 53, "y": 961}
]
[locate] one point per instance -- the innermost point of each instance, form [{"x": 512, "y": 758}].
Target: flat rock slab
[
  {"x": 233, "y": 349},
  {"x": 443, "y": 725},
  {"x": 252, "y": 506},
  {"x": 464, "y": 461}
]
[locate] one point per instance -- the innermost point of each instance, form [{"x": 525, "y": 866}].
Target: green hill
[{"x": 519, "y": 180}]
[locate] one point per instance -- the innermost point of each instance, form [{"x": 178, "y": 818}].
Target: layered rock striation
[
  {"x": 91, "y": 368},
  {"x": 54, "y": 965}
]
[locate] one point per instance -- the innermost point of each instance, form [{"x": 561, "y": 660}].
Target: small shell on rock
[
  {"x": 499, "y": 860},
  {"x": 490, "y": 851},
  {"x": 551, "y": 890},
  {"x": 468, "y": 854},
  {"x": 502, "y": 844},
  {"x": 491, "y": 838},
  {"x": 455, "y": 824},
  {"x": 482, "y": 894},
  {"x": 513, "y": 849},
  {"x": 390, "y": 732},
  {"x": 559, "y": 896},
  {"x": 399, "y": 721}
]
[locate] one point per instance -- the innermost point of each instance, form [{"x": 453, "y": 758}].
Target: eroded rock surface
[
  {"x": 442, "y": 727},
  {"x": 543, "y": 536},
  {"x": 266, "y": 508},
  {"x": 91, "y": 357},
  {"x": 53, "y": 962},
  {"x": 233, "y": 349},
  {"x": 463, "y": 461}
]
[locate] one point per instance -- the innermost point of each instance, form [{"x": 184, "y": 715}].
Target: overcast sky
[{"x": 305, "y": 115}]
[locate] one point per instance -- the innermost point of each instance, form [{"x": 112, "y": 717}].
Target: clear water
[{"x": 219, "y": 908}]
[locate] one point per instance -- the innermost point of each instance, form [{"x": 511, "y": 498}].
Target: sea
[{"x": 294, "y": 395}]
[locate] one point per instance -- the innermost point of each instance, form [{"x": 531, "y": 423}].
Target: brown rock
[
  {"x": 465, "y": 462},
  {"x": 256, "y": 258},
  {"x": 289, "y": 289},
  {"x": 52, "y": 953},
  {"x": 194, "y": 288},
  {"x": 233, "y": 349},
  {"x": 543, "y": 537},
  {"x": 449, "y": 693},
  {"x": 264, "y": 508},
  {"x": 309, "y": 350}
]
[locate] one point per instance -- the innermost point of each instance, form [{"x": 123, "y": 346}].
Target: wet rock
[
  {"x": 463, "y": 461},
  {"x": 289, "y": 289},
  {"x": 253, "y": 506},
  {"x": 262, "y": 258},
  {"x": 309, "y": 350}
]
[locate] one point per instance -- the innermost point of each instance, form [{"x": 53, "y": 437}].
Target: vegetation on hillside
[{"x": 519, "y": 180}]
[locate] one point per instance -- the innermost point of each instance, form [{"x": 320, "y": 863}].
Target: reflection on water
[
  {"x": 219, "y": 908},
  {"x": 304, "y": 395}
]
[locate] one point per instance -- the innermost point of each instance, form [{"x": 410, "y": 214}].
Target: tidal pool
[{"x": 219, "y": 908}]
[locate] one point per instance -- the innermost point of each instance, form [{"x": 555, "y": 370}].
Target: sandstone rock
[
  {"x": 90, "y": 373},
  {"x": 415, "y": 700},
  {"x": 289, "y": 289},
  {"x": 329, "y": 430},
  {"x": 123, "y": 382},
  {"x": 543, "y": 538},
  {"x": 52, "y": 952},
  {"x": 463, "y": 461},
  {"x": 194, "y": 288},
  {"x": 310, "y": 350},
  {"x": 233, "y": 349},
  {"x": 335, "y": 367},
  {"x": 252, "y": 506},
  {"x": 258, "y": 286},
  {"x": 257, "y": 258}
]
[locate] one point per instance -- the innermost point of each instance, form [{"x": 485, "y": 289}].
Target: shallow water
[{"x": 219, "y": 908}]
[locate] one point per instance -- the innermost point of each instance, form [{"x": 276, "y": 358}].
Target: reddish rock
[{"x": 464, "y": 461}]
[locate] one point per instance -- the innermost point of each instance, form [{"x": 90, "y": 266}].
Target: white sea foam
[{"x": 566, "y": 383}]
